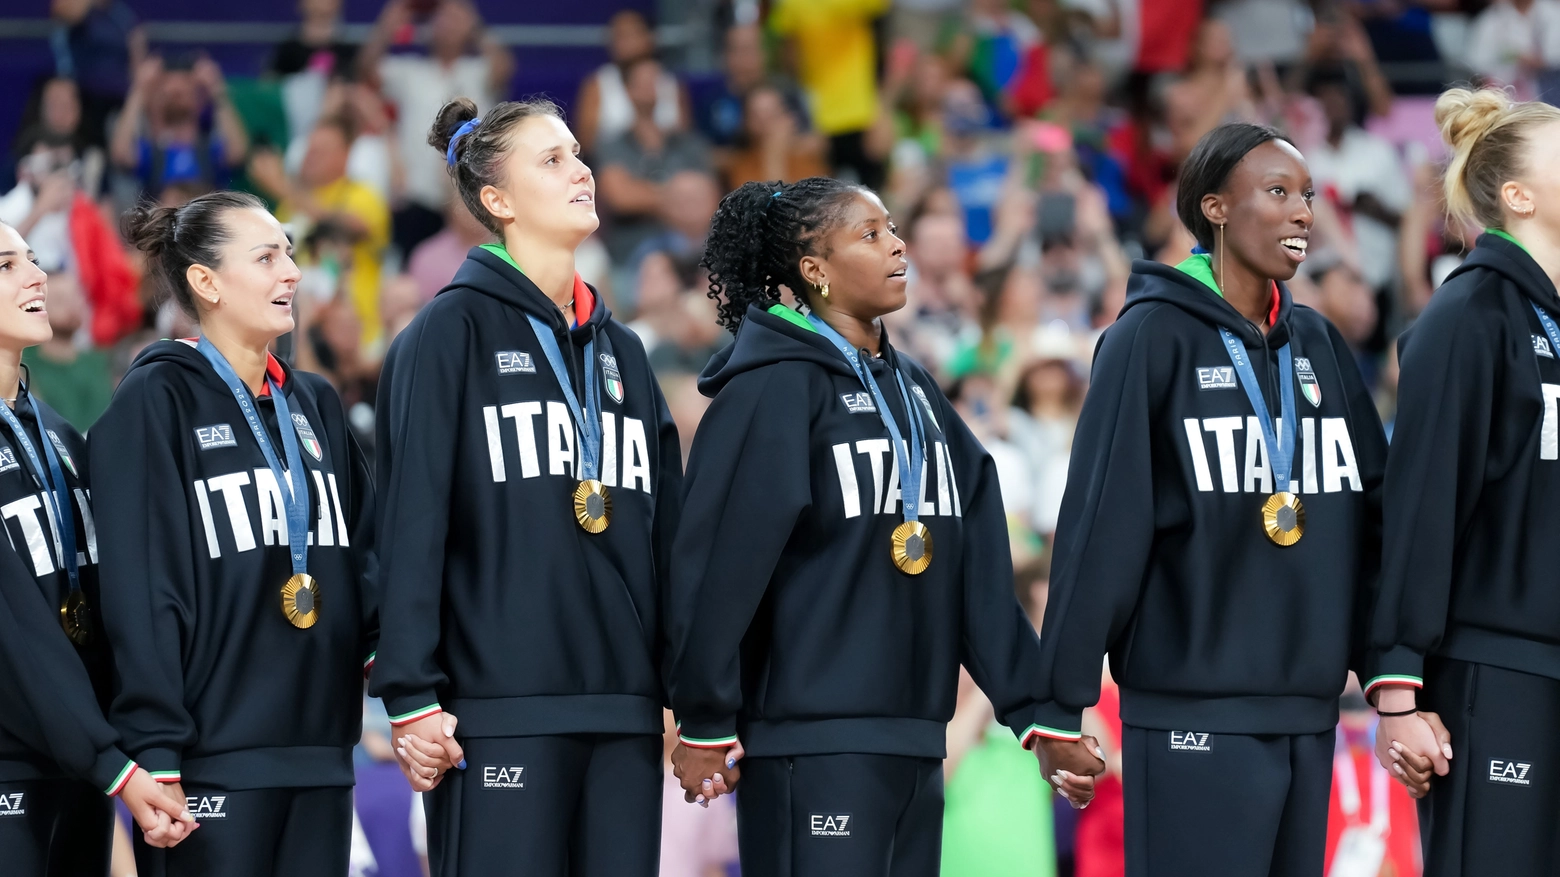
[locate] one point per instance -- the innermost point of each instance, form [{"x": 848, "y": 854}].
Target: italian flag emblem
[
  {"x": 64, "y": 454},
  {"x": 311, "y": 443},
  {"x": 614, "y": 381}
]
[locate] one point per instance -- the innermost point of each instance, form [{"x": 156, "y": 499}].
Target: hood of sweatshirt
[
  {"x": 1500, "y": 252},
  {"x": 490, "y": 270},
  {"x": 776, "y": 335},
  {"x": 1190, "y": 287}
]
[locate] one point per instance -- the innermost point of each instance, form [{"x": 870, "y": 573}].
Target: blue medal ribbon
[
  {"x": 1282, "y": 456},
  {"x": 911, "y": 461},
  {"x": 52, "y": 479},
  {"x": 589, "y": 418},
  {"x": 1550, "y": 328},
  {"x": 296, "y": 497}
]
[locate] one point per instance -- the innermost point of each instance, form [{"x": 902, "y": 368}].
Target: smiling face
[
  {"x": 249, "y": 293},
  {"x": 24, "y": 321},
  {"x": 862, "y": 259},
  {"x": 547, "y": 191},
  {"x": 1266, "y": 210}
]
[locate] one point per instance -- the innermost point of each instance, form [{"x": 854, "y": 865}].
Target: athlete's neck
[
  {"x": 10, "y": 374},
  {"x": 1540, "y": 243},
  {"x": 1245, "y": 290},
  {"x": 863, "y": 333},
  {"x": 247, "y": 359},
  {"x": 547, "y": 265}
]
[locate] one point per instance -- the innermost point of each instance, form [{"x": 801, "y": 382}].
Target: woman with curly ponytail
[
  {"x": 529, "y": 474},
  {"x": 842, "y": 550}
]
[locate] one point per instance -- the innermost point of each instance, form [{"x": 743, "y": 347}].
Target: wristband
[{"x": 1397, "y": 715}]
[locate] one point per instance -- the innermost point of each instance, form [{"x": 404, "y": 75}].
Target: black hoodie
[
  {"x": 52, "y": 692},
  {"x": 790, "y": 626},
  {"x": 212, "y": 683},
  {"x": 1161, "y": 559},
  {"x": 1473, "y": 480},
  {"x": 497, "y": 605}
]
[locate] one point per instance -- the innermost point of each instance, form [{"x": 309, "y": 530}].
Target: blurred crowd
[{"x": 1027, "y": 149}]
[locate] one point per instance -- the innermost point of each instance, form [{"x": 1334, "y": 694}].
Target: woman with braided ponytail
[
  {"x": 529, "y": 476},
  {"x": 842, "y": 550}
]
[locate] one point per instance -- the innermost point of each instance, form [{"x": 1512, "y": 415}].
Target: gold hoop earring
[{"x": 824, "y": 290}]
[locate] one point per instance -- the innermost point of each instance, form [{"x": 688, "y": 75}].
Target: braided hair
[{"x": 759, "y": 236}]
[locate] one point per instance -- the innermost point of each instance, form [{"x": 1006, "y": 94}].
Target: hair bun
[
  {"x": 1466, "y": 115},
  {"x": 451, "y": 116},
  {"x": 148, "y": 227}
]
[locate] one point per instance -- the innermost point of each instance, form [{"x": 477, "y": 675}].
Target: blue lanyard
[
  {"x": 52, "y": 478},
  {"x": 296, "y": 495},
  {"x": 1550, "y": 328},
  {"x": 588, "y": 419},
  {"x": 909, "y": 467},
  {"x": 1280, "y": 454}
]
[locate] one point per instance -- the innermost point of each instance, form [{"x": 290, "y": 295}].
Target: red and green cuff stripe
[
  {"x": 368, "y": 663},
  {"x": 705, "y": 742},
  {"x": 1035, "y": 732},
  {"x": 119, "y": 783},
  {"x": 166, "y": 776},
  {"x": 407, "y": 718},
  {"x": 1393, "y": 679}
]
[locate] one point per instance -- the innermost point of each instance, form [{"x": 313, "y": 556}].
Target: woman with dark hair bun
[
  {"x": 235, "y": 528},
  {"x": 1220, "y": 534},
  {"x": 529, "y": 476},
  {"x": 843, "y": 549}
]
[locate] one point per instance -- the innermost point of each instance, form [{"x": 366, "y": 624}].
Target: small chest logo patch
[
  {"x": 8, "y": 460},
  {"x": 13, "y": 804},
  {"x": 514, "y": 362},
  {"x": 1190, "y": 741},
  {"x": 1542, "y": 348},
  {"x": 311, "y": 442},
  {"x": 217, "y": 435},
  {"x": 207, "y": 806},
  {"x": 859, "y": 403},
  {"x": 1220, "y": 377},
  {"x": 1308, "y": 385},
  {"x": 930, "y": 412},
  {"x": 503, "y": 776},
  {"x": 59, "y": 446},
  {"x": 611, "y": 377},
  {"x": 829, "y": 824},
  {"x": 1510, "y": 773}
]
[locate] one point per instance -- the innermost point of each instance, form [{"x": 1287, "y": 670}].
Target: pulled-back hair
[
  {"x": 759, "y": 236},
  {"x": 1488, "y": 133},
  {"x": 174, "y": 238},
  {"x": 479, "y": 154},
  {"x": 1208, "y": 169}
]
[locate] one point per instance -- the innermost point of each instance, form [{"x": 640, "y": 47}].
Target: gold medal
[
  {"x": 592, "y": 506},
  {"x": 301, "y": 600},
  {"x": 1283, "y": 517},
  {"x": 76, "y": 618},
  {"x": 912, "y": 547}
]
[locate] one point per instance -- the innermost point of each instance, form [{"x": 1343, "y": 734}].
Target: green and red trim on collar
[
  {"x": 1200, "y": 266},
  {"x": 584, "y": 299}
]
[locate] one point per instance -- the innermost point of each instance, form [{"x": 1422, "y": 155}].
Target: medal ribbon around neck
[
  {"x": 910, "y": 461},
  {"x": 588, "y": 419},
  {"x": 1550, "y": 328},
  {"x": 52, "y": 479},
  {"x": 1281, "y": 454},
  {"x": 296, "y": 495}
]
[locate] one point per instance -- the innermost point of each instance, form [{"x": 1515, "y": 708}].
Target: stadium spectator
[
  {"x": 55, "y": 117},
  {"x": 98, "y": 45},
  {"x": 775, "y": 145},
  {"x": 38, "y": 207},
  {"x": 606, "y": 109},
  {"x": 1513, "y": 42},
  {"x": 436, "y": 259},
  {"x": 318, "y": 45},
  {"x": 75, "y": 380},
  {"x": 160, "y": 136},
  {"x": 745, "y": 65},
  {"x": 418, "y": 85}
]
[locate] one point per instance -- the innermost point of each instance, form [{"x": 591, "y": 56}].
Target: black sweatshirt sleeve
[
  {"x": 146, "y": 569},
  {"x": 419, "y": 406},
  {"x": 668, "y": 511},
  {"x": 1104, "y": 533},
  {"x": 748, "y": 481},
  {"x": 1435, "y": 472},
  {"x": 998, "y": 644},
  {"x": 48, "y": 699}
]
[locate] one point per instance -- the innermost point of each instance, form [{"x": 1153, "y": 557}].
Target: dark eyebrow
[
  {"x": 14, "y": 253},
  {"x": 265, "y": 247}
]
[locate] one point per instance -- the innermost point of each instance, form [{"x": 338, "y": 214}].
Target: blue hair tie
[{"x": 462, "y": 131}]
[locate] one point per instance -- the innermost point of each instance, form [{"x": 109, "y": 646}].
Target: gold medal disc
[
  {"x": 76, "y": 618},
  {"x": 912, "y": 547},
  {"x": 1283, "y": 517},
  {"x": 592, "y": 506},
  {"x": 301, "y": 600}
]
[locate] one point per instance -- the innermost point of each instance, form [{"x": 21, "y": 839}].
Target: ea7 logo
[
  {"x": 830, "y": 825},
  {"x": 217, "y": 435},
  {"x": 1512, "y": 773},
  {"x": 1189, "y": 741},
  {"x": 8, "y": 460},
  {"x": 206, "y": 806},
  {"x": 1216, "y": 378},
  {"x": 503, "y": 776},
  {"x": 12, "y": 804},
  {"x": 1541, "y": 346},
  {"x": 858, "y": 403},
  {"x": 514, "y": 362}
]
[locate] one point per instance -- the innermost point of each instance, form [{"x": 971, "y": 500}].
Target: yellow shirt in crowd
[
  {"x": 836, "y": 58},
  {"x": 357, "y": 200}
]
